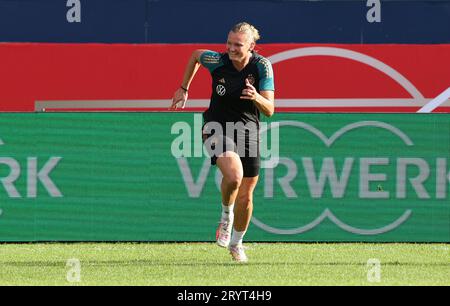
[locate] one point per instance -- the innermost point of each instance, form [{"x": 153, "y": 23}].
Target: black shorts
[{"x": 243, "y": 140}]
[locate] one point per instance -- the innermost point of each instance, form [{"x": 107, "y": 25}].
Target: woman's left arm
[{"x": 263, "y": 100}]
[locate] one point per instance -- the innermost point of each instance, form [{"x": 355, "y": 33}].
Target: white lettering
[
  {"x": 374, "y": 13},
  {"x": 442, "y": 178},
  {"x": 374, "y": 272},
  {"x": 8, "y": 182},
  {"x": 272, "y": 154},
  {"x": 214, "y": 144},
  {"x": 328, "y": 172},
  {"x": 366, "y": 177},
  {"x": 198, "y": 142},
  {"x": 318, "y": 182},
  {"x": 285, "y": 182},
  {"x": 181, "y": 146},
  {"x": 74, "y": 273},
  {"x": 417, "y": 182},
  {"x": 43, "y": 177},
  {"x": 74, "y": 13},
  {"x": 194, "y": 189},
  {"x": 196, "y": 296}
]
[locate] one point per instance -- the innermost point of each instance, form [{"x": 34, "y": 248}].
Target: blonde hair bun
[{"x": 244, "y": 27}]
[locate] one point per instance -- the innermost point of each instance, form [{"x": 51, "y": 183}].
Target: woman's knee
[
  {"x": 233, "y": 180},
  {"x": 245, "y": 199}
]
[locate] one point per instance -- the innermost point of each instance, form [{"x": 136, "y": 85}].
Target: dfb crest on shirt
[
  {"x": 220, "y": 89},
  {"x": 251, "y": 79}
]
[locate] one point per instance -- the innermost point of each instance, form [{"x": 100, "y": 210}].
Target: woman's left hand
[{"x": 250, "y": 92}]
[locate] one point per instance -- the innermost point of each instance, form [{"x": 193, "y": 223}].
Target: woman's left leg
[
  {"x": 243, "y": 210},
  {"x": 244, "y": 203}
]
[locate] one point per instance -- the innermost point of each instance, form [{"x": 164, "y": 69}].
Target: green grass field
[{"x": 201, "y": 264}]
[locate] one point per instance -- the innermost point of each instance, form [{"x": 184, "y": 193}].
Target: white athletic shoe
[
  {"x": 223, "y": 234},
  {"x": 238, "y": 253}
]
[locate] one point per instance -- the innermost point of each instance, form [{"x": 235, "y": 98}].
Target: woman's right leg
[{"x": 230, "y": 165}]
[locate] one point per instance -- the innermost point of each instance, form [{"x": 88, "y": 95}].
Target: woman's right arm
[{"x": 181, "y": 94}]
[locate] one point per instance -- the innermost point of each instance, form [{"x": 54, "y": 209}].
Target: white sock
[
  {"x": 236, "y": 237},
  {"x": 227, "y": 213}
]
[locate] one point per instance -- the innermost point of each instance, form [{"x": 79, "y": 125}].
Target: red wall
[{"x": 31, "y": 72}]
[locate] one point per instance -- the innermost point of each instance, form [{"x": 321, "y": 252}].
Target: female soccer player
[{"x": 242, "y": 84}]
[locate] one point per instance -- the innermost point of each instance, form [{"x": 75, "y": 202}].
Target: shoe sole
[
  {"x": 222, "y": 245},
  {"x": 239, "y": 261}
]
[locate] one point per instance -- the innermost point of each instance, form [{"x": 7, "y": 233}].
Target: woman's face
[{"x": 239, "y": 46}]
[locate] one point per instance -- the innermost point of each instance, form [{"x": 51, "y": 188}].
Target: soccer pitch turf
[{"x": 205, "y": 264}]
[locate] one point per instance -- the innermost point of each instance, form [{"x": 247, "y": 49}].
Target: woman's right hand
[{"x": 179, "y": 99}]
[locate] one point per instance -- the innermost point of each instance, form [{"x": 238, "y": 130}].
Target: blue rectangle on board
[{"x": 208, "y": 21}]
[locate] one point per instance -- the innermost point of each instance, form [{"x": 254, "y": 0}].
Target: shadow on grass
[{"x": 142, "y": 263}]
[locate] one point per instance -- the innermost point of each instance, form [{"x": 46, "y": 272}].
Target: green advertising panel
[{"x": 145, "y": 177}]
